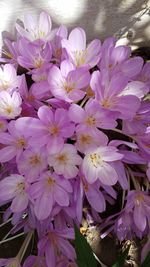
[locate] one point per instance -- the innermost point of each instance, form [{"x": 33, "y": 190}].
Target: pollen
[
  {"x": 90, "y": 121},
  {"x": 20, "y": 186},
  {"x": 38, "y": 62},
  {"x": 35, "y": 160},
  {"x": 96, "y": 160},
  {"x": 54, "y": 130},
  {"x": 62, "y": 158},
  {"x": 85, "y": 139},
  {"x": 80, "y": 57},
  {"x": 139, "y": 198},
  {"x": 58, "y": 53},
  {"x": 68, "y": 88},
  {"x": 9, "y": 109},
  {"x": 105, "y": 103},
  {"x": 50, "y": 181},
  {"x": 21, "y": 142}
]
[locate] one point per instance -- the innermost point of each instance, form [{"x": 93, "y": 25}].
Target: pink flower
[
  {"x": 32, "y": 163},
  {"x": 52, "y": 128},
  {"x": 10, "y": 106},
  {"x": 33, "y": 56},
  {"x": 139, "y": 203},
  {"x": 86, "y": 139},
  {"x": 92, "y": 116},
  {"x": 14, "y": 188},
  {"x": 48, "y": 190},
  {"x": 109, "y": 94},
  {"x": 9, "y": 80},
  {"x": 36, "y": 28},
  {"x": 66, "y": 83},
  {"x": 14, "y": 142},
  {"x": 55, "y": 244},
  {"x": 96, "y": 165},
  {"x": 64, "y": 162},
  {"x": 78, "y": 53}
]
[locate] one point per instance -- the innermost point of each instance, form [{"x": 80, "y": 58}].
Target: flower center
[
  {"x": 62, "y": 158},
  {"x": 139, "y": 198},
  {"x": 80, "y": 57},
  {"x": 90, "y": 121},
  {"x": 21, "y": 142},
  {"x": 85, "y": 139},
  {"x": 96, "y": 160},
  {"x": 54, "y": 130},
  {"x": 35, "y": 160},
  {"x": 50, "y": 181}
]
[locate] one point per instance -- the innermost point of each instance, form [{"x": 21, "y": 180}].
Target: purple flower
[
  {"x": 9, "y": 81},
  {"x": 14, "y": 142},
  {"x": 67, "y": 83},
  {"x": 52, "y": 128},
  {"x": 14, "y": 188},
  {"x": 91, "y": 116},
  {"x": 33, "y": 261},
  {"x": 56, "y": 244},
  {"x": 32, "y": 162},
  {"x": 50, "y": 188},
  {"x": 10, "y": 106},
  {"x": 78, "y": 53},
  {"x": 109, "y": 93},
  {"x": 96, "y": 165},
  {"x": 139, "y": 203},
  {"x": 36, "y": 28},
  {"x": 64, "y": 162},
  {"x": 33, "y": 56}
]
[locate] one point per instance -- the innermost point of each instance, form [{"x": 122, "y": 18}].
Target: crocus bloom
[
  {"x": 10, "y": 106},
  {"x": 32, "y": 56},
  {"x": 55, "y": 244},
  {"x": 61, "y": 33},
  {"x": 33, "y": 261},
  {"x": 109, "y": 94},
  {"x": 50, "y": 188},
  {"x": 66, "y": 83},
  {"x": 78, "y": 53},
  {"x": 92, "y": 116},
  {"x": 64, "y": 162},
  {"x": 139, "y": 122},
  {"x": 94, "y": 195},
  {"x": 139, "y": 203},
  {"x": 96, "y": 165},
  {"x": 112, "y": 55},
  {"x": 9, "y": 80},
  {"x": 14, "y": 142},
  {"x": 32, "y": 162},
  {"x": 87, "y": 139},
  {"x": 52, "y": 128},
  {"x": 36, "y": 28},
  {"x": 14, "y": 188}
]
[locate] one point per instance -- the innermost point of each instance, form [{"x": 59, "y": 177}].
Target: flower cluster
[{"x": 74, "y": 132}]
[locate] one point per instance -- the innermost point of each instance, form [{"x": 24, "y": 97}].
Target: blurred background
[{"x": 129, "y": 20}]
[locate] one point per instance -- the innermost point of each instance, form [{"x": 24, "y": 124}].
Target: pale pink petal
[
  {"x": 45, "y": 23},
  {"x": 107, "y": 174},
  {"x": 61, "y": 196},
  {"x": 50, "y": 255},
  {"x": 43, "y": 206},
  {"x": 20, "y": 202},
  {"x": 96, "y": 199},
  {"x": 76, "y": 113},
  {"x": 77, "y": 39},
  {"x": 7, "y": 153},
  {"x": 139, "y": 218}
]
